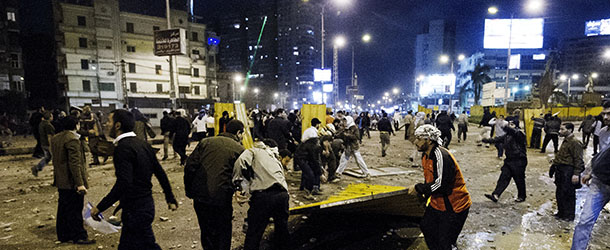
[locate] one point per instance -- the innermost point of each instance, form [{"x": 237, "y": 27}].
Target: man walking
[
  {"x": 35, "y": 120},
  {"x": 567, "y": 166},
  {"x": 514, "y": 142},
  {"x": 135, "y": 163},
  {"x": 598, "y": 179},
  {"x": 260, "y": 172},
  {"x": 278, "y": 129},
  {"x": 462, "y": 126},
  {"x": 408, "y": 120},
  {"x": 499, "y": 124},
  {"x": 445, "y": 125},
  {"x": 200, "y": 125},
  {"x": 352, "y": 149},
  {"x": 70, "y": 175},
  {"x": 207, "y": 180},
  {"x": 45, "y": 132},
  {"x": 449, "y": 200},
  {"x": 166, "y": 126},
  {"x": 537, "y": 131},
  {"x": 397, "y": 119},
  {"x": 385, "y": 129},
  {"x": 551, "y": 129},
  {"x": 181, "y": 127}
]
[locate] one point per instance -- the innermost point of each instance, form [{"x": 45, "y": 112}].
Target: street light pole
[
  {"x": 322, "y": 35},
  {"x": 510, "y": 37},
  {"x": 173, "y": 93}
]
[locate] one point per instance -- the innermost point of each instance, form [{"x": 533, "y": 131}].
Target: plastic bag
[{"x": 102, "y": 226}]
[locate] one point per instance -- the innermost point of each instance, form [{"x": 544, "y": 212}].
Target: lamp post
[
  {"x": 323, "y": 31},
  {"x": 444, "y": 59},
  {"x": 236, "y": 79},
  {"x": 339, "y": 42},
  {"x": 532, "y": 6}
]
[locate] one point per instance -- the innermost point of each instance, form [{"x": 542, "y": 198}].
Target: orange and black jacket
[{"x": 444, "y": 182}]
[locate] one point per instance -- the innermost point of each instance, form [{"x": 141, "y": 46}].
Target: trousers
[
  {"x": 270, "y": 203},
  {"x": 535, "y": 140},
  {"x": 310, "y": 174},
  {"x": 547, "y": 139},
  {"x": 513, "y": 169},
  {"x": 565, "y": 193},
  {"x": 597, "y": 197},
  {"x": 462, "y": 131},
  {"x": 359, "y": 161},
  {"x": 442, "y": 228},
  {"x": 215, "y": 222},
  {"x": 69, "y": 223},
  {"x": 137, "y": 232}
]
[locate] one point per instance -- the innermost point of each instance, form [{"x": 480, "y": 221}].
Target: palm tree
[{"x": 478, "y": 77}]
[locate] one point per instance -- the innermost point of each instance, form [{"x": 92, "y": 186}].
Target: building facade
[
  {"x": 439, "y": 39},
  {"x": 106, "y": 58},
  {"x": 11, "y": 60},
  {"x": 586, "y": 57}
]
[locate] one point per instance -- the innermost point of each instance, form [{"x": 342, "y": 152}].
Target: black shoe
[
  {"x": 35, "y": 171},
  {"x": 83, "y": 242},
  {"x": 557, "y": 216},
  {"x": 492, "y": 197},
  {"x": 519, "y": 200}
]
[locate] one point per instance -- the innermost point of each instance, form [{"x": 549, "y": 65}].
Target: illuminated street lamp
[
  {"x": 340, "y": 3},
  {"x": 607, "y": 54},
  {"x": 492, "y": 10},
  {"x": 563, "y": 77},
  {"x": 461, "y": 57},
  {"x": 444, "y": 59},
  {"x": 340, "y": 41},
  {"x": 534, "y": 6},
  {"x": 395, "y": 91},
  {"x": 366, "y": 38},
  {"x": 386, "y": 94},
  {"x": 237, "y": 78},
  {"x": 594, "y": 75}
]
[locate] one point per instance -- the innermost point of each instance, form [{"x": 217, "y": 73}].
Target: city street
[{"x": 29, "y": 207}]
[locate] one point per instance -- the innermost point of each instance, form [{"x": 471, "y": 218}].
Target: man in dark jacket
[
  {"x": 207, "y": 180},
  {"x": 35, "y": 120},
  {"x": 307, "y": 157},
  {"x": 514, "y": 143},
  {"x": 537, "y": 131},
  {"x": 70, "y": 175},
  {"x": 45, "y": 131},
  {"x": 181, "y": 127},
  {"x": 551, "y": 128},
  {"x": 166, "y": 126},
  {"x": 385, "y": 129},
  {"x": 223, "y": 121},
  {"x": 278, "y": 129},
  {"x": 567, "y": 166},
  {"x": 486, "y": 131},
  {"x": 135, "y": 163},
  {"x": 445, "y": 125},
  {"x": 587, "y": 129}
]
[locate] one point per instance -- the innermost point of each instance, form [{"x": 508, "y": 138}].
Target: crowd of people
[{"x": 219, "y": 167}]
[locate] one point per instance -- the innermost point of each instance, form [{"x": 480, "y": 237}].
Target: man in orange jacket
[{"x": 449, "y": 200}]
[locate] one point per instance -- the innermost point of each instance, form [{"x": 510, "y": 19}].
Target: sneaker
[
  {"x": 309, "y": 196},
  {"x": 336, "y": 179},
  {"x": 316, "y": 191},
  {"x": 519, "y": 200},
  {"x": 492, "y": 197},
  {"x": 35, "y": 171}
]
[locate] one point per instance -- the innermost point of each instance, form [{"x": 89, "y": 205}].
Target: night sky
[{"x": 388, "y": 61}]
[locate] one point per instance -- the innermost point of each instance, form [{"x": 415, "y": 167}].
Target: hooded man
[
  {"x": 352, "y": 149},
  {"x": 449, "y": 200}
]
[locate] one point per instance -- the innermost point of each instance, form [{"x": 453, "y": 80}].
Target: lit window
[
  {"x": 10, "y": 16},
  {"x": 237, "y": 26},
  {"x": 296, "y": 53}
]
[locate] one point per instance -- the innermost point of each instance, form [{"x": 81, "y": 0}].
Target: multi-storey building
[
  {"x": 105, "y": 58},
  {"x": 584, "y": 57},
  {"x": 439, "y": 39},
  {"x": 11, "y": 60}
]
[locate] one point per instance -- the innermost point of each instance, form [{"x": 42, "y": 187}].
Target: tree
[
  {"x": 478, "y": 77},
  {"x": 546, "y": 83}
]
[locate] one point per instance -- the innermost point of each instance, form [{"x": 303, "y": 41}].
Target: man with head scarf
[
  {"x": 449, "y": 200},
  {"x": 200, "y": 126},
  {"x": 351, "y": 140}
]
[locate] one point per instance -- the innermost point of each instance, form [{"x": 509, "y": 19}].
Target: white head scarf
[
  {"x": 350, "y": 121},
  {"x": 430, "y": 132}
]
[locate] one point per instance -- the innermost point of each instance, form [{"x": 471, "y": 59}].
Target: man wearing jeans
[{"x": 599, "y": 191}]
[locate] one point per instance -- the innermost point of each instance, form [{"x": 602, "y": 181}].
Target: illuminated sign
[
  {"x": 170, "y": 42},
  {"x": 526, "y": 33},
  {"x": 322, "y": 75},
  {"x": 515, "y": 62},
  {"x": 597, "y": 27},
  {"x": 327, "y": 88},
  {"x": 539, "y": 56},
  {"x": 437, "y": 84}
]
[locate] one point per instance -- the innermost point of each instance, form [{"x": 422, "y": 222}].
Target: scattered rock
[
  {"x": 8, "y": 229},
  {"x": 9, "y": 201},
  {"x": 312, "y": 240},
  {"x": 51, "y": 217},
  {"x": 5, "y": 225},
  {"x": 163, "y": 218},
  {"x": 100, "y": 247},
  {"x": 35, "y": 210}
]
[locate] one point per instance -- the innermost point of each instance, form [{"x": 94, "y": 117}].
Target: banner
[
  {"x": 218, "y": 109},
  {"x": 310, "y": 111},
  {"x": 242, "y": 115}
]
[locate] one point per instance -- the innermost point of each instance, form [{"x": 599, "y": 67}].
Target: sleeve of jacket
[
  {"x": 444, "y": 175},
  {"x": 124, "y": 177},
  {"x": 163, "y": 180},
  {"x": 494, "y": 140},
  {"x": 579, "y": 164},
  {"x": 75, "y": 162}
]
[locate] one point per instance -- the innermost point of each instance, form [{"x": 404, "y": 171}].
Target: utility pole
[
  {"x": 335, "y": 74},
  {"x": 124, "y": 83},
  {"x": 322, "y": 36},
  {"x": 510, "y": 37},
  {"x": 172, "y": 93}
]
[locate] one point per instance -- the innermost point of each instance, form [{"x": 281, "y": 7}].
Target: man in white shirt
[{"x": 200, "y": 125}]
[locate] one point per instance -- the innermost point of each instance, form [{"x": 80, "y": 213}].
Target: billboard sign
[
  {"x": 322, "y": 75},
  {"x": 327, "y": 88},
  {"x": 526, "y": 33},
  {"x": 597, "y": 27},
  {"x": 170, "y": 42},
  {"x": 515, "y": 62},
  {"x": 437, "y": 84}
]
